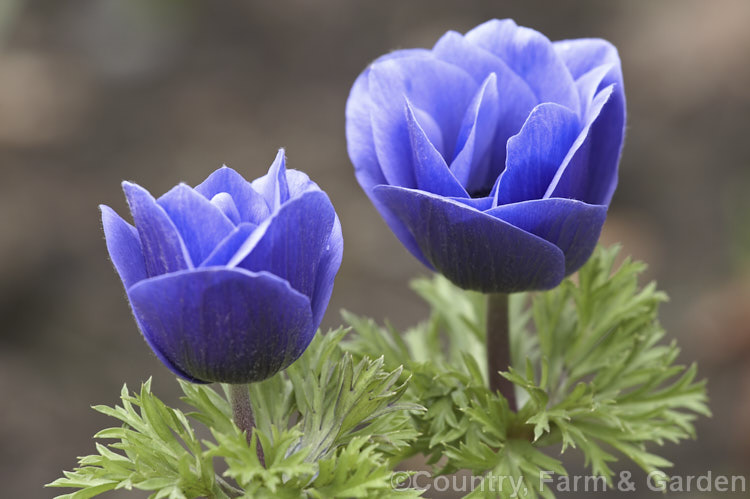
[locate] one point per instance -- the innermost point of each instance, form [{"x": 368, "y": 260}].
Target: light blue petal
[
  {"x": 515, "y": 97},
  {"x": 589, "y": 173},
  {"x": 440, "y": 90},
  {"x": 251, "y": 205},
  {"x": 536, "y": 153},
  {"x": 532, "y": 56},
  {"x": 124, "y": 247},
  {"x": 431, "y": 171},
  {"x": 273, "y": 186},
  {"x": 472, "y": 162},
  {"x": 229, "y": 247},
  {"x": 201, "y": 224},
  {"x": 163, "y": 248}
]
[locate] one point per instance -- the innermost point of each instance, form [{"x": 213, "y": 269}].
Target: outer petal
[
  {"x": 251, "y": 205},
  {"x": 163, "y": 248},
  {"x": 224, "y": 325},
  {"x": 472, "y": 249},
  {"x": 273, "y": 186},
  {"x": 589, "y": 173},
  {"x": 571, "y": 225},
  {"x": 124, "y": 247},
  {"x": 361, "y": 147},
  {"x": 532, "y": 56},
  {"x": 330, "y": 262},
  {"x": 536, "y": 153},
  {"x": 430, "y": 170},
  {"x": 201, "y": 223},
  {"x": 290, "y": 243},
  {"x": 440, "y": 90},
  {"x": 583, "y": 57}
]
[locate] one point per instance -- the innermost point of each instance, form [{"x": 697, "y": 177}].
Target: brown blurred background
[{"x": 96, "y": 91}]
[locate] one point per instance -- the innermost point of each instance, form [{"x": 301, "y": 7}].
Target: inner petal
[{"x": 225, "y": 203}]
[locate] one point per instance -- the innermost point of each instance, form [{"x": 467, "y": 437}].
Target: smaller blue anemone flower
[{"x": 228, "y": 281}]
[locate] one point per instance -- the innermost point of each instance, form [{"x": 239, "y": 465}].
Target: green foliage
[
  {"x": 329, "y": 427},
  {"x": 590, "y": 365},
  {"x": 588, "y": 359}
]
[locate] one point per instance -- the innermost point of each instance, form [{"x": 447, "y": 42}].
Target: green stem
[
  {"x": 498, "y": 346},
  {"x": 242, "y": 412}
]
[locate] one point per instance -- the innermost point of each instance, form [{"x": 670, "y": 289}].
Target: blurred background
[{"x": 96, "y": 91}]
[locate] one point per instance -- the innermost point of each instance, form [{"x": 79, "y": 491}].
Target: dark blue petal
[
  {"x": 251, "y": 205},
  {"x": 515, "y": 98},
  {"x": 223, "y": 325},
  {"x": 289, "y": 243},
  {"x": 590, "y": 172},
  {"x": 163, "y": 248},
  {"x": 201, "y": 224},
  {"x": 472, "y": 249},
  {"x": 532, "y": 56},
  {"x": 472, "y": 163},
  {"x": 572, "y": 226},
  {"x": 330, "y": 262},
  {"x": 124, "y": 247},
  {"x": 440, "y": 90},
  {"x": 229, "y": 247},
  {"x": 536, "y": 153},
  {"x": 224, "y": 202},
  {"x": 273, "y": 186},
  {"x": 431, "y": 171}
]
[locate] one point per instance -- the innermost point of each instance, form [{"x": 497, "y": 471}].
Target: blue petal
[
  {"x": 361, "y": 146},
  {"x": 590, "y": 171},
  {"x": 273, "y": 186},
  {"x": 290, "y": 243},
  {"x": 572, "y": 226},
  {"x": 440, "y": 90},
  {"x": 481, "y": 204},
  {"x": 330, "y": 262},
  {"x": 479, "y": 63},
  {"x": 472, "y": 163},
  {"x": 299, "y": 183},
  {"x": 536, "y": 153},
  {"x": 229, "y": 247},
  {"x": 584, "y": 54},
  {"x": 223, "y": 325},
  {"x": 431, "y": 171},
  {"x": 201, "y": 224},
  {"x": 163, "y": 248},
  {"x": 472, "y": 249},
  {"x": 251, "y": 205},
  {"x": 224, "y": 202},
  {"x": 359, "y": 138},
  {"x": 584, "y": 57},
  {"x": 124, "y": 247},
  {"x": 532, "y": 56}
]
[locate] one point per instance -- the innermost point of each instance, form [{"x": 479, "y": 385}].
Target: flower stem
[
  {"x": 498, "y": 346},
  {"x": 242, "y": 413}
]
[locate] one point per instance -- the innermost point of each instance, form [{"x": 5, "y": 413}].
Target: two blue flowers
[{"x": 493, "y": 158}]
